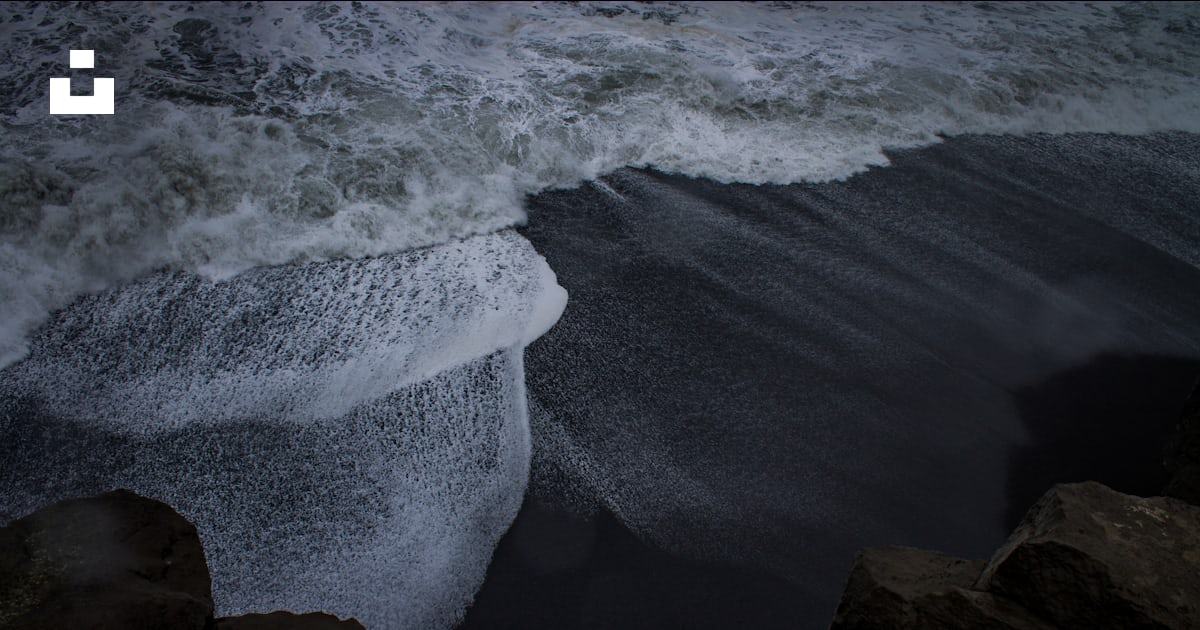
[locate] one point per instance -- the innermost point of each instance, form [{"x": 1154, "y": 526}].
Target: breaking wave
[{"x": 254, "y": 134}]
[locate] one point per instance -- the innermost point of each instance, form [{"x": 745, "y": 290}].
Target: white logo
[{"x": 103, "y": 90}]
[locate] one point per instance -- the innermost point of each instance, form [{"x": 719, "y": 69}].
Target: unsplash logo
[{"x": 103, "y": 90}]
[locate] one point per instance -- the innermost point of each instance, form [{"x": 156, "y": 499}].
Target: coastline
[
  {"x": 889, "y": 350},
  {"x": 749, "y": 383}
]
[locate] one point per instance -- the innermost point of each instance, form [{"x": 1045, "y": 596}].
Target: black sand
[{"x": 750, "y": 383}]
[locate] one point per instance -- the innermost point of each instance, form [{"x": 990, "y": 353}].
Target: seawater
[{"x": 297, "y": 221}]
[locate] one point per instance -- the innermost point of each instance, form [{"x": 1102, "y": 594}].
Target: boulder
[
  {"x": 1183, "y": 454},
  {"x": 282, "y": 620},
  {"x": 1086, "y": 556},
  {"x": 118, "y": 561},
  {"x": 904, "y": 588},
  {"x": 115, "y": 561}
]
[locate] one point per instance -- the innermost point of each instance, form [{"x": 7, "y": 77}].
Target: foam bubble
[
  {"x": 348, "y": 436},
  {"x": 252, "y": 134}
]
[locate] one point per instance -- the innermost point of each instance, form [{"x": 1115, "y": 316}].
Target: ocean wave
[
  {"x": 258, "y": 134},
  {"x": 349, "y": 436}
]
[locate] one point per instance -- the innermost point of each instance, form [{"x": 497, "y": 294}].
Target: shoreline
[{"x": 773, "y": 377}]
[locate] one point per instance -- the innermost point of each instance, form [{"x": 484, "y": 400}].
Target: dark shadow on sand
[
  {"x": 558, "y": 570},
  {"x": 1108, "y": 420}
]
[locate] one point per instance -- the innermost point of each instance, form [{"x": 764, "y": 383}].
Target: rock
[
  {"x": 1183, "y": 454},
  {"x": 1086, "y": 556},
  {"x": 115, "y": 561},
  {"x": 904, "y": 588},
  {"x": 282, "y": 620}
]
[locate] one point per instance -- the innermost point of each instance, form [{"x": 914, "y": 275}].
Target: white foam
[
  {"x": 377, "y": 404},
  {"x": 262, "y": 134}
]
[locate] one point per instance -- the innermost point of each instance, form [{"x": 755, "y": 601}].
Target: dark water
[{"x": 750, "y": 383}]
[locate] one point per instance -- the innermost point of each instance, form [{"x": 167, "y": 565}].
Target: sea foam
[
  {"x": 259, "y": 134},
  {"x": 348, "y": 436}
]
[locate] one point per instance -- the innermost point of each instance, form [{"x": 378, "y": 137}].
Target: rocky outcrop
[
  {"x": 118, "y": 561},
  {"x": 1086, "y": 556},
  {"x": 1083, "y": 557},
  {"x": 900, "y": 587},
  {"x": 114, "y": 561}
]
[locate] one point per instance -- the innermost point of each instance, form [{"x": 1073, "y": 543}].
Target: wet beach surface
[{"x": 750, "y": 383}]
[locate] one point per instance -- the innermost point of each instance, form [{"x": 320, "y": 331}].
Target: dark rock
[
  {"x": 1086, "y": 556},
  {"x": 282, "y": 620},
  {"x": 1183, "y": 454},
  {"x": 118, "y": 561},
  {"x": 115, "y": 561},
  {"x": 899, "y": 587}
]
